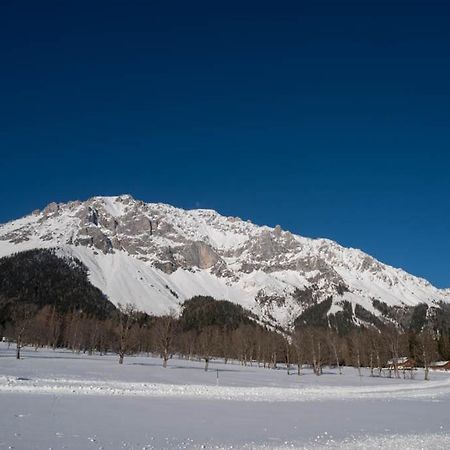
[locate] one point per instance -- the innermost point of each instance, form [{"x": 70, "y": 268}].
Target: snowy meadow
[{"x": 64, "y": 400}]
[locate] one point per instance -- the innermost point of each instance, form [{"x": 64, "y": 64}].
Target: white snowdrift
[{"x": 61, "y": 386}]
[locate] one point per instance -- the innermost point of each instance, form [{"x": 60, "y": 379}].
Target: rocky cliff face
[{"x": 157, "y": 256}]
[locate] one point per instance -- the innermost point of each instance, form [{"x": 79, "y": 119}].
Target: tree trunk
[
  {"x": 358, "y": 362},
  {"x": 274, "y": 361},
  {"x": 425, "y": 365},
  {"x": 337, "y": 360},
  {"x": 319, "y": 359},
  {"x": 396, "y": 371},
  {"x": 18, "y": 344}
]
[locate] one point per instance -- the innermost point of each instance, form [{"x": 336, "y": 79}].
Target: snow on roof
[{"x": 400, "y": 360}]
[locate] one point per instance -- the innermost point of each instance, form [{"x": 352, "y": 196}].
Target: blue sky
[{"x": 331, "y": 119}]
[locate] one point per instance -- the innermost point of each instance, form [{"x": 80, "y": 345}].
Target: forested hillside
[{"x": 42, "y": 278}]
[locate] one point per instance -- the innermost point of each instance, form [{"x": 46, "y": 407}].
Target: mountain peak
[
  {"x": 157, "y": 255},
  {"x": 113, "y": 198}
]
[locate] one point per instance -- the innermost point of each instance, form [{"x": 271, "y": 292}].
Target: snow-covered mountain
[{"x": 157, "y": 256}]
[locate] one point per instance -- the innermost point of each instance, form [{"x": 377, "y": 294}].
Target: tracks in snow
[{"x": 433, "y": 390}]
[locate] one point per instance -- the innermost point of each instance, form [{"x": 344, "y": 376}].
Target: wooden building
[
  {"x": 440, "y": 365},
  {"x": 403, "y": 363}
]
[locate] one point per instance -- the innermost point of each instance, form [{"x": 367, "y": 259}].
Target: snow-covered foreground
[{"x": 63, "y": 400}]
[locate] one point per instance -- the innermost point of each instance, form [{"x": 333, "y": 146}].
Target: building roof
[
  {"x": 439, "y": 363},
  {"x": 400, "y": 360}
]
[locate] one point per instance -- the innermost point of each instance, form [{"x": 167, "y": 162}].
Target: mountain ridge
[{"x": 156, "y": 256}]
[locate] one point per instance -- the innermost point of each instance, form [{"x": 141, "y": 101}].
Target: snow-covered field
[{"x": 63, "y": 400}]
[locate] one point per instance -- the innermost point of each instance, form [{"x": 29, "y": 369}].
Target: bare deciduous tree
[
  {"x": 334, "y": 345},
  {"x": 298, "y": 342},
  {"x": 428, "y": 347},
  {"x": 206, "y": 341},
  {"x": 316, "y": 348},
  {"x": 357, "y": 347},
  {"x": 127, "y": 317},
  {"x": 22, "y": 314},
  {"x": 165, "y": 330}
]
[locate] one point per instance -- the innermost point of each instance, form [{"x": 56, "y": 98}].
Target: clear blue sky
[{"x": 331, "y": 119}]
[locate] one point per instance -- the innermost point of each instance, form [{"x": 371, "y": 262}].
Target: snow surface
[{"x": 59, "y": 399}]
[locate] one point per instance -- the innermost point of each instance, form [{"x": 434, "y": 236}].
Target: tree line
[{"x": 209, "y": 329}]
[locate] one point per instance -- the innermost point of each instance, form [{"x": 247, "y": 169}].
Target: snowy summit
[{"x": 156, "y": 256}]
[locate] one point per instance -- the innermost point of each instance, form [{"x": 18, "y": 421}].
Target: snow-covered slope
[{"x": 157, "y": 256}]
